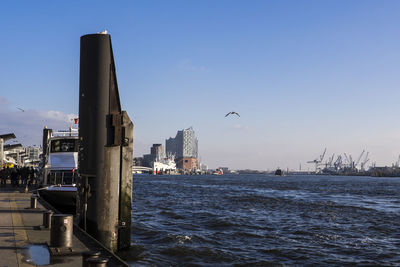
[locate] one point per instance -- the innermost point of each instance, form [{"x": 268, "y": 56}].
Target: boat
[
  {"x": 218, "y": 172},
  {"x": 278, "y": 172},
  {"x": 60, "y": 157},
  {"x": 60, "y": 165},
  {"x": 62, "y": 197},
  {"x": 165, "y": 165}
]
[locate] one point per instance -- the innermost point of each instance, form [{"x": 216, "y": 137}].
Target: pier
[{"x": 24, "y": 241}]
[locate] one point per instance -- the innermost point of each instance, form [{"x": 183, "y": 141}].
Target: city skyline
[{"x": 302, "y": 75}]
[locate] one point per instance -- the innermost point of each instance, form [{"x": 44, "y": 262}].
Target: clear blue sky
[{"x": 304, "y": 75}]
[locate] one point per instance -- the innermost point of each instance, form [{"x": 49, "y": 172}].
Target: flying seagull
[
  {"x": 232, "y": 112},
  {"x": 21, "y": 109}
]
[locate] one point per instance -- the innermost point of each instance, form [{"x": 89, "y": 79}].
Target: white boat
[
  {"x": 61, "y": 158},
  {"x": 59, "y": 173},
  {"x": 166, "y": 165}
]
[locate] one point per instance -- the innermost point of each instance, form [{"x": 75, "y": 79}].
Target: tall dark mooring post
[
  {"x": 106, "y": 147},
  {"x": 46, "y": 135}
]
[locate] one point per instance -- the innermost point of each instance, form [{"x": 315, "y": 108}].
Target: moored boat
[
  {"x": 218, "y": 172},
  {"x": 60, "y": 157},
  {"x": 59, "y": 173},
  {"x": 62, "y": 197}
]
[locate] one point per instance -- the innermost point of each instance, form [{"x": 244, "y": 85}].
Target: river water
[{"x": 264, "y": 220}]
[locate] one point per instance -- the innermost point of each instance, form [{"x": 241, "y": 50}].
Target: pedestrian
[
  {"x": 1, "y": 176},
  {"x": 13, "y": 177}
]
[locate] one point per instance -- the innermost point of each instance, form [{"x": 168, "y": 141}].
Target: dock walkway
[{"x": 24, "y": 241}]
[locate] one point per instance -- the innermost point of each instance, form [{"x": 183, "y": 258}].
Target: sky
[{"x": 303, "y": 75}]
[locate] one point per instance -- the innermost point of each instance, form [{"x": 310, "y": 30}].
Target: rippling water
[{"x": 265, "y": 220}]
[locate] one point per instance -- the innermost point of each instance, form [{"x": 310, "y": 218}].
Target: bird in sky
[
  {"x": 233, "y": 113},
  {"x": 21, "y": 109}
]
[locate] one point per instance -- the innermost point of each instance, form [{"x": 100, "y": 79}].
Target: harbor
[{"x": 199, "y": 133}]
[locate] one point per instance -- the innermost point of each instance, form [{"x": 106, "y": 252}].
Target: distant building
[
  {"x": 186, "y": 163},
  {"x": 184, "y": 145},
  {"x": 185, "y": 149},
  {"x": 138, "y": 161},
  {"x": 32, "y": 153},
  {"x": 156, "y": 154},
  {"x": 147, "y": 160},
  {"x": 203, "y": 167}
]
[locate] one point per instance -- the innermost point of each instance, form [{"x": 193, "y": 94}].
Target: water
[
  {"x": 265, "y": 220},
  {"x": 39, "y": 255}
]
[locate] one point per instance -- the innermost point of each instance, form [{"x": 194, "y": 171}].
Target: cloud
[{"x": 28, "y": 125}]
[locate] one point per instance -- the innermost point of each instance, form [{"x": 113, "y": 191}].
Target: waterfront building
[
  {"x": 156, "y": 154},
  {"x": 186, "y": 163},
  {"x": 184, "y": 145},
  {"x": 185, "y": 149},
  {"x": 33, "y": 153},
  {"x": 203, "y": 166},
  {"x": 138, "y": 161}
]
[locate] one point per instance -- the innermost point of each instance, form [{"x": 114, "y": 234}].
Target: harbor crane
[
  {"x": 328, "y": 162},
  {"x": 347, "y": 159},
  {"x": 317, "y": 161},
  {"x": 397, "y": 162},
  {"x": 364, "y": 162},
  {"x": 331, "y": 160},
  {"x": 338, "y": 163},
  {"x": 359, "y": 158}
]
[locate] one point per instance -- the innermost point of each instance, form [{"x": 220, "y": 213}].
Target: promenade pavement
[{"x": 24, "y": 241}]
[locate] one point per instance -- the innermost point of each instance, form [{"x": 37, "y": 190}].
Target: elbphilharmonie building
[{"x": 184, "y": 145}]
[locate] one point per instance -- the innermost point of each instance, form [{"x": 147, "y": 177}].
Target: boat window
[
  {"x": 61, "y": 177},
  {"x": 64, "y": 145}
]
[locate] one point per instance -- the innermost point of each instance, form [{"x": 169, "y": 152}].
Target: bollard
[
  {"x": 61, "y": 230},
  {"x": 89, "y": 255},
  {"x": 97, "y": 262},
  {"x": 47, "y": 218},
  {"x": 33, "y": 201}
]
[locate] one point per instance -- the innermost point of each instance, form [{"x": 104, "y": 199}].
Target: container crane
[
  {"x": 347, "y": 159},
  {"x": 317, "y": 161},
  {"x": 328, "y": 162},
  {"x": 338, "y": 163},
  {"x": 397, "y": 162},
  {"x": 364, "y": 162},
  {"x": 359, "y": 158}
]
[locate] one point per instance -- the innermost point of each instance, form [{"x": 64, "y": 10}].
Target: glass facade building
[{"x": 184, "y": 145}]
